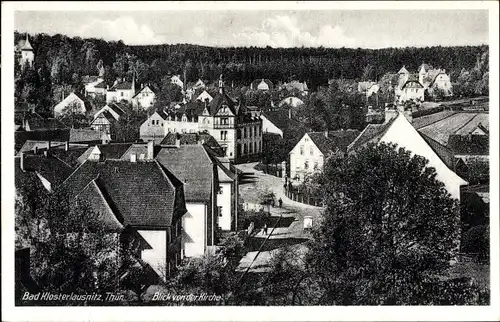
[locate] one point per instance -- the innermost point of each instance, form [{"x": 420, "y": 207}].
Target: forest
[{"x": 61, "y": 61}]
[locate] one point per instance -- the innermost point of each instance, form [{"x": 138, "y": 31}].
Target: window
[
  {"x": 311, "y": 151},
  {"x": 306, "y": 165},
  {"x": 301, "y": 150},
  {"x": 142, "y": 156},
  {"x": 224, "y": 121},
  {"x": 255, "y": 147},
  {"x": 161, "y": 123},
  {"x": 219, "y": 210},
  {"x": 121, "y": 93},
  {"x": 244, "y": 132},
  {"x": 219, "y": 191}
]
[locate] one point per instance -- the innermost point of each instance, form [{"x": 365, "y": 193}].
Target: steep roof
[
  {"x": 38, "y": 123},
  {"x": 280, "y": 118},
  {"x": 27, "y": 44},
  {"x": 403, "y": 70},
  {"x": 412, "y": 83},
  {"x": 86, "y": 103},
  {"x": 152, "y": 88},
  {"x": 371, "y": 133},
  {"x": 51, "y": 168},
  {"x": 116, "y": 108},
  {"x": 335, "y": 140},
  {"x": 121, "y": 85},
  {"x": 101, "y": 85},
  {"x": 111, "y": 151},
  {"x": 222, "y": 99},
  {"x": 193, "y": 166},
  {"x": 145, "y": 194}
]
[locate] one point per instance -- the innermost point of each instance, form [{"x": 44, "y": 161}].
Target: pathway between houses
[{"x": 290, "y": 229}]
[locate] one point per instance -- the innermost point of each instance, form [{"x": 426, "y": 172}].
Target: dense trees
[{"x": 382, "y": 240}]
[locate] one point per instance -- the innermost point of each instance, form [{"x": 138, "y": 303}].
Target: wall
[
  {"x": 70, "y": 99},
  {"x": 144, "y": 99},
  {"x": 297, "y": 161},
  {"x": 194, "y": 222},
  {"x": 148, "y": 130},
  {"x": 224, "y": 201},
  {"x": 402, "y": 133},
  {"x": 157, "y": 256}
]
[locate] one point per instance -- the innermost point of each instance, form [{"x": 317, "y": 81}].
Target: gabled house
[
  {"x": 145, "y": 97},
  {"x": 204, "y": 96},
  {"x": 398, "y": 130},
  {"x": 176, "y": 79},
  {"x": 411, "y": 90},
  {"x": 144, "y": 201},
  {"x": 310, "y": 153},
  {"x": 74, "y": 103},
  {"x": 263, "y": 84},
  {"x": 121, "y": 90},
  {"x": 106, "y": 116},
  {"x": 90, "y": 83},
  {"x": 433, "y": 79}
]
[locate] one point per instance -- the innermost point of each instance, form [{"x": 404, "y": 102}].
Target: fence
[{"x": 302, "y": 196}]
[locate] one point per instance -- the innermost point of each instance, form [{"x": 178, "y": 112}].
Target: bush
[
  {"x": 259, "y": 218},
  {"x": 477, "y": 241}
]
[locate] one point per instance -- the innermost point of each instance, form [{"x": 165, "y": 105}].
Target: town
[{"x": 258, "y": 176}]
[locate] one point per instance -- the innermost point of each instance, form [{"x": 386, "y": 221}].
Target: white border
[{"x": 11, "y": 313}]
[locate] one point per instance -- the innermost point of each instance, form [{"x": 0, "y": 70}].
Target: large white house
[
  {"x": 74, "y": 103},
  {"x": 398, "y": 129},
  {"x": 145, "y": 97},
  {"x": 310, "y": 153}
]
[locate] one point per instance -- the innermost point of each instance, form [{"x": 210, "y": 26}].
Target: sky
[{"x": 275, "y": 28}]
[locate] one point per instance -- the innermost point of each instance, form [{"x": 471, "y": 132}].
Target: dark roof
[
  {"x": 335, "y": 140},
  {"x": 111, "y": 151},
  {"x": 37, "y": 123},
  {"x": 117, "y": 108},
  {"x": 372, "y": 132},
  {"x": 192, "y": 139},
  {"x": 122, "y": 85},
  {"x": 469, "y": 145},
  {"x": 221, "y": 99},
  {"x": 192, "y": 165},
  {"x": 145, "y": 194},
  {"x": 69, "y": 157},
  {"x": 102, "y": 84},
  {"x": 86, "y": 103},
  {"x": 96, "y": 195},
  {"x": 280, "y": 118},
  {"x": 85, "y": 135},
  {"x": 411, "y": 83},
  {"x": 20, "y": 137},
  {"x": 51, "y": 168},
  {"x": 152, "y": 88}
]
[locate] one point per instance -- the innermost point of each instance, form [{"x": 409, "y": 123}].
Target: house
[
  {"x": 204, "y": 96},
  {"x": 121, "y": 90},
  {"x": 261, "y": 84},
  {"x": 73, "y": 103},
  {"x": 233, "y": 126},
  {"x": 24, "y": 53},
  {"x": 291, "y": 101},
  {"x": 90, "y": 83},
  {"x": 209, "y": 193},
  {"x": 277, "y": 121},
  {"x": 368, "y": 88},
  {"x": 412, "y": 90},
  {"x": 143, "y": 201},
  {"x": 457, "y": 136},
  {"x": 433, "y": 79},
  {"x": 145, "y": 97},
  {"x": 176, "y": 79},
  {"x": 193, "y": 87},
  {"x": 398, "y": 130},
  {"x": 106, "y": 116},
  {"x": 310, "y": 153}
]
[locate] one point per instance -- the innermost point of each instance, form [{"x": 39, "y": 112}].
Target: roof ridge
[
  {"x": 466, "y": 123},
  {"x": 78, "y": 168},
  {"x": 444, "y": 118},
  {"x": 165, "y": 175}
]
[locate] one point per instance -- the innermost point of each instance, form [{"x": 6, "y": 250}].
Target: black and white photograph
[{"x": 273, "y": 155}]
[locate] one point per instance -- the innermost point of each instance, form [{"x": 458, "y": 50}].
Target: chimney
[
  {"x": 178, "y": 140},
  {"x": 49, "y": 145},
  {"x": 21, "y": 161},
  {"x": 35, "y": 150},
  {"x": 66, "y": 146},
  {"x": 290, "y": 113},
  {"x": 390, "y": 113},
  {"x": 45, "y": 153},
  {"x": 107, "y": 87},
  {"x": 133, "y": 157},
  {"x": 151, "y": 147},
  {"x": 326, "y": 133}
]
